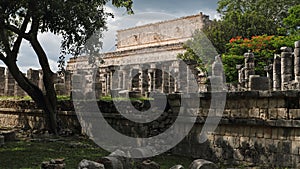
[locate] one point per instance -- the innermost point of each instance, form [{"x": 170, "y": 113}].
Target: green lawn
[{"x": 30, "y": 154}]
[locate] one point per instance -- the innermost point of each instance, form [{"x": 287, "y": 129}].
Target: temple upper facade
[{"x": 146, "y": 58}]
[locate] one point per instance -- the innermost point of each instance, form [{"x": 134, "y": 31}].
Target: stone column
[
  {"x": 249, "y": 67},
  {"x": 2, "y": 80},
  {"x": 141, "y": 81},
  {"x": 217, "y": 74},
  {"x": 9, "y": 84},
  {"x": 18, "y": 91},
  {"x": 297, "y": 61},
  {"x": 68, "y": 82},
  {"x": 286, "y": 67},
  {"x": 269, "y": 70},
  {"x": 150, "y": 75},
  {"x": 277, "y": 73},
  {"x": 41, "y": 80},
  {"x": 33, "y": 76}
]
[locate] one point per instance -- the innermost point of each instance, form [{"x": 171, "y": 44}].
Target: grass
[
  {"x": 109, "y": 98},
  {"x": 24, "y": 154},
  {"x": 30, "y": 155},
  {"x": 59, "y": 97}
]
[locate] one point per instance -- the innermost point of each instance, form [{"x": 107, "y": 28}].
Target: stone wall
[{"x": 257, "y": 128}]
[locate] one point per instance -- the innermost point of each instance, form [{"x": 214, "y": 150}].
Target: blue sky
[{"x": 146, "y": 11}]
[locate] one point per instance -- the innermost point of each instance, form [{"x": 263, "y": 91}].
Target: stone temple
[{"x": 145, "y": 59}]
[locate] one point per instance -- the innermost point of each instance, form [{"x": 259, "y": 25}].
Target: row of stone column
[
  {"x": 286, "y": 68},
  {"x": 142, "y": 79},
  {"x": 9, "y": 86}
]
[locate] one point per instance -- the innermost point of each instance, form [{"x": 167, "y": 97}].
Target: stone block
[
  {"x": 273, "y": 113},
  {"x": 274, "y": 133},
  {"x": 247, "y": 131},
  {"x": 259, "y": 83},
  {"x": 263, "y": 114},
  {"x": 244, "y": 140},
  {"x": 267, "y": 132},
  {"x": 294, "y": 114},
  {"x": 282, "y": 113},
  {"x": 295, "y": 147},
  {"x": 281, "y": 102},
  {"x": 254, "y": 113},
  {"x": 263, "y": 103}
]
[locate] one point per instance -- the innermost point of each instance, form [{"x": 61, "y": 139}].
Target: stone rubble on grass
[
  {"x": 86, "y": 164},
  {"x": 148, "y": 164},
  {"x": 203, "y": 164},
  {"x": 54, "y": 164},
  {"x": 177, "y": 167}
]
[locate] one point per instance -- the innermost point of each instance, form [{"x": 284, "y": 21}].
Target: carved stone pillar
[
  {"x": 249, "y": 67},
  {"x": 269, "y": 70},
  {"x": 277, "y": 73},
  {"x": 297, "y": 61},
  {"x": 286, "y": 67}
]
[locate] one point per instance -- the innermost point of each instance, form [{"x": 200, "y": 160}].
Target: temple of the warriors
[{"x": 146, "y": 60}]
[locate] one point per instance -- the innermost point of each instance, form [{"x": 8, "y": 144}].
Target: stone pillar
[
  {"x": 240, "y": 76},
  {"x": 141, "y": 81},
  {"x": 9, "y": 84},
  {"x": 2, "y": 80},
  {"x": 33, "y": 76},
  {"x": 249, "y": 67},
  {"x": 217, "y": 74},
  {"x": 277, "y": 73},
  {"x": 97, "y": 85},
  {"x": 269, "y": 70},
  {"x": 41, "y": 80},
  {"x": 77, "y": 84},
  {"x": 68, "y": 82},
  {"x": 297, "y": 61},
  {"x": 286, "y": 67}
]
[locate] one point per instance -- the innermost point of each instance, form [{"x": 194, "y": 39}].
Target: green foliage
[
  {"x": 264, "y": 47},
  {"x": 292, "y": 21},
  {"x": 247, "y": 18},
  {"x": 199, "y": 50},
  {"x": 229, "y": 65}
]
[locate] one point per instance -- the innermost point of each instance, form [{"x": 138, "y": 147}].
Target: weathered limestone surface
[{"x": 162, "y": 33}]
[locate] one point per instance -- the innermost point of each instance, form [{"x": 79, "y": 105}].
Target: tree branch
[
  {"x": 18, "y": 42},
  {"x": 17, "y": 31},
  {"x": 2, "y": 57},
  {"x": 4, "y": 39}
]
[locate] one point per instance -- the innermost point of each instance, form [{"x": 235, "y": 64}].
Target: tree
[
  {"x": 247, "y": 19},
  {"x": 292, "y": 21},
  {"x": 75, "y": 20}
]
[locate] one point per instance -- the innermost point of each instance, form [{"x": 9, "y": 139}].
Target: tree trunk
[{"x": 37, "y": 95}]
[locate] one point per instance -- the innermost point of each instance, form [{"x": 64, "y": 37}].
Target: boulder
[
  {"x": 86, "y": 164},
  {"x": 53, "y": 164},
  {"x": 203, "y": 164},
  {"x": 148, "y": 164},
  {"x": 177, "y": 167}
]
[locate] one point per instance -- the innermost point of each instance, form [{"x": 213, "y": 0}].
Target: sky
[{"x": 146, "y": 11}]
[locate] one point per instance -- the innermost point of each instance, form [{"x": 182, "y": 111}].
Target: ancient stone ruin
[{"x": 282, "y": 74}]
